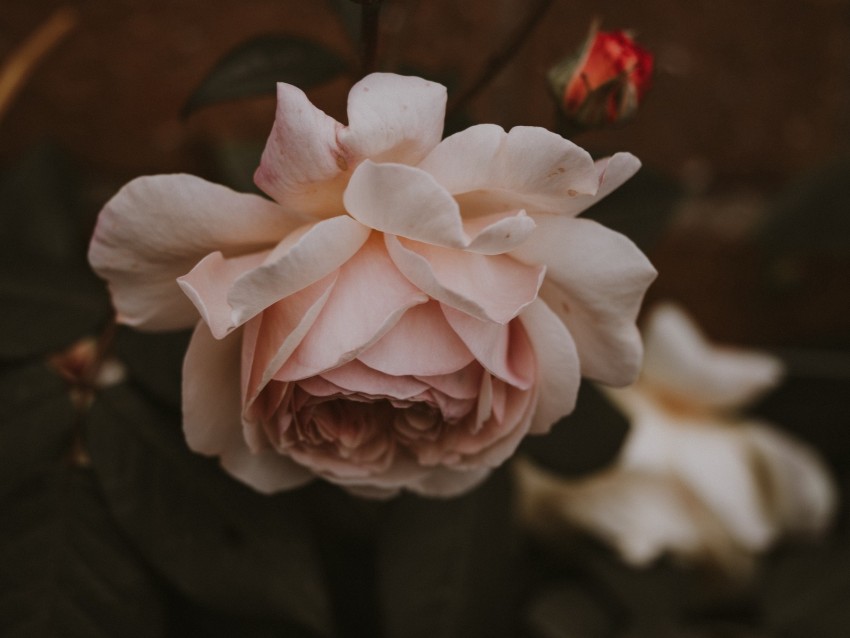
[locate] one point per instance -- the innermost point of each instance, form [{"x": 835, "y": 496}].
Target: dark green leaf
[
  {"x": 219, "y": 543},
  {"x": 36, "y": 423},
  {"x": 254, "y": 67},
  {"x": 49, "y": 295},
  {"x": 66, "y": 570},
  {"x": 154, "y": 360},
  {"x": 583, "y": 442},
  {"x": 640, "y": 209},
  {"x": 567, "y": 611},
  {"x": 446, "y": 568}
]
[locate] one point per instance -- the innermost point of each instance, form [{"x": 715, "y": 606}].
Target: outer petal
[
  {"x": 595, "y": 282},
  {"x": 406, "y": 201},
  {"x": 157, "y": 228},
  {"x": 369, "y": 298},
  {"x": 444, "y": 482},
  {"x": 681, "y": 361},
  {"x": 558, "y": 373},
  {"x": 304, "y": 167},
  {"x": 490, "y": 287},
  {"x": 394, "y": 118},
  {"x": 529, "y": 167},
  {"x": 228, "y": 296}
]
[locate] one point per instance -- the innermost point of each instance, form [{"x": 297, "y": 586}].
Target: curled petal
[
  {"x": 304, "y": 167},
  {"x": 679, "y": 359},
  {"x": 392, "y": 118},
  {"x": 529, "y": 167},
  {"x": 595, "y": 282},
  {"x": 369, "y": 298},
  {"x": 157, "y": 228},
  {"x": 301, "y": 259},
  {"x": 421, "y": 343},
  {"x": 558, "y": 371},
  {"x": 490, "y": 287}
]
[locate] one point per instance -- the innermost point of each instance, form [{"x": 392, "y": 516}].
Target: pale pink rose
[{"x": 402, "y": 313}]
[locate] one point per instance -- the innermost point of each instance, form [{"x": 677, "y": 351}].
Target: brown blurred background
[{"x": 749, "y": 97}]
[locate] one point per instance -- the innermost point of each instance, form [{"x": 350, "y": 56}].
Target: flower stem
[
  {"x": 501, "y": 57},
  {"x": 369, "y": 10}
]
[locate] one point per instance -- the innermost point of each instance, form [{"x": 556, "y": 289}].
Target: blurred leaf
[
  {"x": 66, "y": 571},
  {"x": 567, "y": 611},
  {"x": 36, "y": 423},
  {"x": 154, "y": 360},
  {"x": 641, "y": 209},
  {"x": 582, "y": 442},
  {"x": 811, "y": 216},
  {"x": 254, "y": 67},
  {"x": 219, "y": 543},
  {"x": 446, "y": 568},
  {"x": 49, "y": 295}
]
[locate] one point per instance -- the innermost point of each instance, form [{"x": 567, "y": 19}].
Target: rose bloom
[
  {"x": 607, "y": 82},
  {"x": 694, "y": 478},
  {"x": 401, "y": 313}
]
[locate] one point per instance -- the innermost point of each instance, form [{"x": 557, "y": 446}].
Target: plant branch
[{"x": 499, "y": 59}]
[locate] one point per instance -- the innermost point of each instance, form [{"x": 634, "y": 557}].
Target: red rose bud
[{"x": 605, "y": 82}]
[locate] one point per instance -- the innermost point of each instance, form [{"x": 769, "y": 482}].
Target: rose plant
[{"x": 401, "y": 313}]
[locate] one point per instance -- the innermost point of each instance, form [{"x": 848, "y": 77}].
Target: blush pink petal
[
  {"x": 443, "y": 482},
  {"x": 491, "y": 344},
  {"x": 529, "y": 167},
  {"x": 301, "y": 259},
  {"x": 558, "y": 369},
  {"x": 406, "y": 201},
  {"x": 266, "y": 471},
  {"x": 356, "y": 376},
  {"x": 463, "y": 384},
  {"x": 595, "y": 282},
  {"x": 157, "y": 228},
  {"x": 369, "y": 298},
  {"x": 272, "y": 337},
  {"x": 304, "y": 167},
  {"x": 490, "y": 287},
  {"x": 420, "y": 343},
  {"x": 210, "y": 417},
  {"x": 611, "y": 173},
  {"x": 392, "y": 118}
]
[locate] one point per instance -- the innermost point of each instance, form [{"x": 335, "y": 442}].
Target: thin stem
[
  {"x": 498, "y": 61},
  {"x": 369, "y": 34}
]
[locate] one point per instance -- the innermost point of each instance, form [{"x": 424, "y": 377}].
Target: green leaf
[
  {"x": 254, "y": 67},
  {"x": 582, "y": 442},
  {"x": 49, "y": 295},
  {"x": 641, "y": 209},
  {"x": 67, "y": 571},
  {"x": 445, "y": 567},
  {"x": 220, "y": 544},
  {"x": 154, "y": 360}
]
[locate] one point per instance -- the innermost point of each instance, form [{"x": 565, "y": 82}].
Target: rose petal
[
  {"x": 558, "y": 371},
  {"x": 490, "y": 287},
  {"x": 611, "y": 173},
  {"x": 444, "y": 482},
  {"x": 272, "y": 337},
  {"x": 211, "y": 417},
  {"x": 304, "y": 167},
  {"x": 356, "y": 376},
  {"x": 595, "y": 282},
  {"x": 369, "y": 298},
  {"x": 491, "y": 344},
  {"x": 299, "y": 260},
  {"x": 157, "y": 228},
  {"x": 420, "y": 343},
  {"x": 393, "y": 118},
  {"x": 265, "y": 471},
  {"x": 680, "y": 360},
  {"x": 798, "y": 490},
  {"x": 529, "y": 167}
]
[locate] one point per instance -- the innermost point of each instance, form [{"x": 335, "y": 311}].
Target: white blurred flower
[{"x": 693, "y": 479}]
